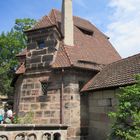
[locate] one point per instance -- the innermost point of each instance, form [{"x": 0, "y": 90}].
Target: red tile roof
[
  {"x": 21, "y": 69},
  {"x": 117, "y": 74},
  {"x": 96, "y": 49}
]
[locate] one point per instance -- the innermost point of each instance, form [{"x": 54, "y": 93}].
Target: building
[
  {"x": 101, "y": 92},
  {"x": 64, "y": 53}
]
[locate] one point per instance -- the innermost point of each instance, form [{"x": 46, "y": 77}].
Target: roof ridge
[
  {"x": 40, "y": 20},
  {"x": 54, "y": 15},
  {"x": 123, "y": 59}
]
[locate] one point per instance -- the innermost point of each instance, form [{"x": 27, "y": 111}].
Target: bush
[{"x": 127, "y": 117}]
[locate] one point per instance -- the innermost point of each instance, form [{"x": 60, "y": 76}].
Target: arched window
[
  {"x": 3, "y": 137},
  {"x": 20, "y": 137},
  {"x": 56, "y": 136},
  {"x": 31, "y": 137},
  {"x": 46, "y": 136}
]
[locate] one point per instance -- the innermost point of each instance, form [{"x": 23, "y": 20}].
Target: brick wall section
[{"x": 100, "y": 104}]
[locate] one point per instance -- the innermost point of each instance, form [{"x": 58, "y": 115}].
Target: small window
[
  {"x": 81, "y": 84},
  {"x": 44, "y": 86},
  {"x": 110, "y": 102},
  {"x": 41, "y": 44}
]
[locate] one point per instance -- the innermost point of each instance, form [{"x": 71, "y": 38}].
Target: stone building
[
  {"x": 63, "y": 54},
  {"x": 101, "y": 93}
]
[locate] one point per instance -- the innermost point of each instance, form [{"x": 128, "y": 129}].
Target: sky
[{"x": 118, "y": 19}]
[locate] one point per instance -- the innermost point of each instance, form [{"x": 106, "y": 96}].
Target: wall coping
[{"x": 28, "y": 127}]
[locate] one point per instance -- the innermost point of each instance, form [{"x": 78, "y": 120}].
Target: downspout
[{"x": 61, "y": 97}]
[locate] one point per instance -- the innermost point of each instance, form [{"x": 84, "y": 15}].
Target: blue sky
[{"x": 119, "y": 19}]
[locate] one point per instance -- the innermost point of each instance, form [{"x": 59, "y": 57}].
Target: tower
[{"x": 67, "y": 23}]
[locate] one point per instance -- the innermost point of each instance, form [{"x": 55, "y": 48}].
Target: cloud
[{"x": 124, "y": 28}]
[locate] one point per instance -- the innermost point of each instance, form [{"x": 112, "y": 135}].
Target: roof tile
[{"x": 116, "y": 74}]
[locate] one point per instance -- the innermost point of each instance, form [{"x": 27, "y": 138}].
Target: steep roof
[
  {"x": 116, "y": 74},
  {"x": 89, "y": 51}
]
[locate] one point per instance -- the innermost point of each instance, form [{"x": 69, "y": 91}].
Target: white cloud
[{"x": 124, "y": 29}]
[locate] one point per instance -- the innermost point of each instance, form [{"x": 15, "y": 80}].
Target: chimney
[{"x": 67, "y": 22}]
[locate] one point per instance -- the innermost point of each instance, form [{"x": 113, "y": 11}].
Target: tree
[
  {"x": 127, "y": 116},
  {"x": 11, "y": 43}
]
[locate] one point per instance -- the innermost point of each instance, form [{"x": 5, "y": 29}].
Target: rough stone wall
[
  {"x": 74, "y": 106},
  {"x": 46, "y": 108},
  {"x": 40, "y": 59},
  {"x": 100, "y": 104}
]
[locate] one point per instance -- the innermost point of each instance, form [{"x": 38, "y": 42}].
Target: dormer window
[
  {"x": 41, "y": 44},
  {"x": 86, "y": 31}
]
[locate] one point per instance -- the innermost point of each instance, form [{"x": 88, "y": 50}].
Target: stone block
[
  {"x": 35, "y": 92},
  {"x": 47, "y": 58},
  {"x": 43, "y": 98},
  {"x": 26, "y": 107},
  {"x": 35, "y": 59},
  {"x": 43, "y": 106},
  {"x": 71, "y": 105},
  {"x": 37, "y": 86},
  {"x": 102, "y": 117},
  {"x": 28, "y": 99},
  {"x": 108, "y": 94},
  {"x": 96, "y": 95},
  {"x": 39, "y": 52},
  {"x": 38, "y": 114},
  {"x": 104, "y": 102},
  {"x": 55, "y": 106},
  {"x": 47, "y": 113},
  {"x": 54, "y": 121},
  {"x": 71, "y": 132},
  {"x": 31, "y": 46},
  {"x": 96, "y": 109},
  {"x": 35, "y": 106},
  {"x": 28, "y": 93}
]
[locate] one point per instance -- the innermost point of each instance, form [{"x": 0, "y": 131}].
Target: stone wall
[
  {"x": 62, "y": 104},
  {"x": 46, "y": 108},
  {"x": 100, "y": 104},
  {"x": 40, "y": 59}
]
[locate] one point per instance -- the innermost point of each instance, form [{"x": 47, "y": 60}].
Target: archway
[
  {"x": 46, "y": 136},
  {"x": 3, "y": 137},
  {"x": 20, "y": 137},
  {"x": 31, "y": 137},
  {"x": 57, "y": 136}
]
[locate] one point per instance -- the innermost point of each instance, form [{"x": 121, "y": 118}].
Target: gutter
[{"x": 61, "y": 98}]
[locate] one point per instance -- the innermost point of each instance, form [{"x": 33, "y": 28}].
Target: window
[
  {"x": 44, "y": 86},
  {"x": 41, "y": 44},
  {"x": 110, "y": 102},
  {"x": 86, "y": 31}
]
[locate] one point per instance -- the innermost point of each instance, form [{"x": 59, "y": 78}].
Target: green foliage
[
  {"x": 27, "y": 119},
  {"x": 127, "y": 116},
  {"x": 11, "y": 43}
]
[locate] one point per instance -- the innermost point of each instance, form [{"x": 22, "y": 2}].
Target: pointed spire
[{"x": 67, "y": 22}]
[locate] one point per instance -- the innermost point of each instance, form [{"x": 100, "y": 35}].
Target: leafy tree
[
  {"x": 11, "y": 43},
  {"x": 127, "y": 116}
]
